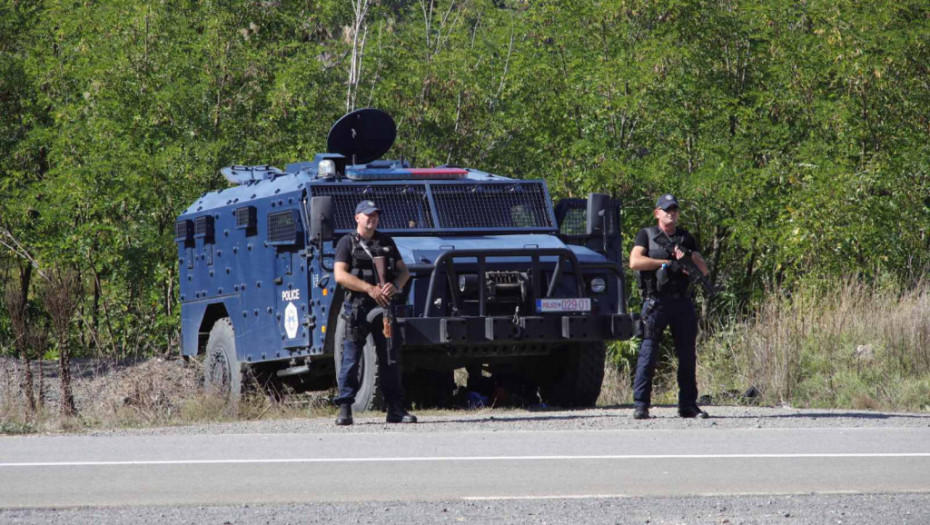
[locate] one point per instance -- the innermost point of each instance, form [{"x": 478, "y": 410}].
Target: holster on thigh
[
  {"x": 351, "y": 314},
  {"x": 649, "y": 318}
]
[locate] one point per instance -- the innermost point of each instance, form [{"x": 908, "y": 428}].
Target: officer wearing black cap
[
  {"x": 667, "y": 301},
  {"x": 355, "y": 272}
]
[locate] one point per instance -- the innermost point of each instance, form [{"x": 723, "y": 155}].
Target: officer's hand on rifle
[
  {"x": 389, "y": 289},
  {"x": 679, "y": 253},
  {"x": 377, "y": 293}
]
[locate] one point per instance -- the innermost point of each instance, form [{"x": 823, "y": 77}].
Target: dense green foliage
[{"x": 796, "y": 134}]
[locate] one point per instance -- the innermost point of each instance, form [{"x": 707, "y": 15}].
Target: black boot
[
  {"x": 396, "y": 413},
  {"x": 345, "y": 415},
  {"x": 692, "y": 412}
]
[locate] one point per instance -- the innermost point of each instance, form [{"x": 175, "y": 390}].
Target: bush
[{"x": 844, "y": 345}]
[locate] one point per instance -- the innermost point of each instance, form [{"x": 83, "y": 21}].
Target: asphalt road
[{"x": 497, "y": 465}]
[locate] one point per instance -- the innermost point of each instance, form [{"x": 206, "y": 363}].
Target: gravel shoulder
[
  {"x": 804, "y": 509},
  {"x": 606, "y": 418}
]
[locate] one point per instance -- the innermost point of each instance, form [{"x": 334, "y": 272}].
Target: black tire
[
  {"x": 578, "y": 375},
  {"x": 368, "y": 396},
  {"x": 222, "y": 373}
]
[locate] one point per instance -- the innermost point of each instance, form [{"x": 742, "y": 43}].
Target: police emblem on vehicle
[{"x": 290, "y": 320}]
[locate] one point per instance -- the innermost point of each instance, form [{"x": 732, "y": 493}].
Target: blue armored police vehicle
[{"x": 502, "y": 283}]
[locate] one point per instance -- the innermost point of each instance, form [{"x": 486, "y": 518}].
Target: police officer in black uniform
[
  {"x": 657, "y": 254},
  {"x": 355, "y": 272}
]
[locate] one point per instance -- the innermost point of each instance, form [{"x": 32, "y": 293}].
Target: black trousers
[
  {"x": 357, "y": 330},
  {"x": 678, "y": 314}
]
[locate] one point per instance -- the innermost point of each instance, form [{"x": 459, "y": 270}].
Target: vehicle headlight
[
  {"x": 468, "y": 284},
  {"x": 598, "y": 285}
]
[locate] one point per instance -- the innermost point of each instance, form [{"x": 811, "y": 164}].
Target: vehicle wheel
[
  {"x": 221, "y": 371},
  {"x": 577, "y": 378},
  {"x": 368, "y": 396}
]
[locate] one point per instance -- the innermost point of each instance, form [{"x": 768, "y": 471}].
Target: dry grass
[
  {"x": 154, "y": 392},
  {"x": 849, "y": 346},
  {"x": 617, "y": 388}
]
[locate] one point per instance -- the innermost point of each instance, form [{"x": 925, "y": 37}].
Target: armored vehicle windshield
[{"x": 449, "y": 206}]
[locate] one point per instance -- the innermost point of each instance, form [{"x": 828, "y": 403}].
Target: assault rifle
[
  {"x": 388, "y": 317},
  {"x": 695, "y": 275}
]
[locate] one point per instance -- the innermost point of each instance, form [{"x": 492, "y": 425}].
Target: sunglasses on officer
[{"x": 671, "y": 209}]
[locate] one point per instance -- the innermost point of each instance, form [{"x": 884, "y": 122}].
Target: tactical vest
[
  {"x": 363, "y": 267},
  {"x": 678, "y": 282}
]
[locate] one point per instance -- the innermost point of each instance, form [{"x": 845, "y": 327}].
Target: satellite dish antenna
[{"x": 362, "y": 135}]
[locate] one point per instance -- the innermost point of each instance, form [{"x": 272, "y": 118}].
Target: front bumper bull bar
[
  {"x": 526, "y": 329},
  {"x": 460, "y": 329}
]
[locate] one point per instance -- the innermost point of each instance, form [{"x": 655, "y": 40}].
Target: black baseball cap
[
  {"x": 667, "y": 201},
  {"x": 366, "y": 207}
]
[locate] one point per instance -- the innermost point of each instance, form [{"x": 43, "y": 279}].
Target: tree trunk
[
  {"x": 17, "y": 301},
  {"x": 67, "y": 407},
  {"x": 28, "y": 384},
  {"x": 40, "y": 398},
  {"x": 61, "y": 297}
]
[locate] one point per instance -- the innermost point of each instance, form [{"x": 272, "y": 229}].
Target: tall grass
[
  {"x": 844, "y": 345},
  {"x": 148, "y": 393}
]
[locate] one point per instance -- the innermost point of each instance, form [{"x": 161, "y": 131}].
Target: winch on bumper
[{"x": 477, "y": 327}]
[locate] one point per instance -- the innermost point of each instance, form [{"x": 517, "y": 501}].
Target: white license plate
[{"x": 563, "y": 305}]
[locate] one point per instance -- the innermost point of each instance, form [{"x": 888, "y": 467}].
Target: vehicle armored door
[{"x": 285, "y": 233}]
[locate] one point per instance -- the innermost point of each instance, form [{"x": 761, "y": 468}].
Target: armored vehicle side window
[
  {"x": 283, "y": 228},
  {"x": 184, "y": 231},
  {"x": 574, "y": 222},
  {"x": 203, "y": 229},
  {"x": 184, "y": 236},
  {"x": 572, "y": 215},
  {"x": 246, "y": 220}
]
